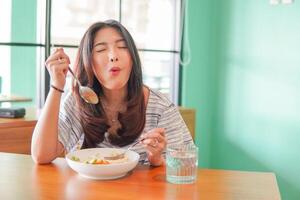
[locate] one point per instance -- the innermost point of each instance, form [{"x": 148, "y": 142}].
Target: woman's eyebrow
[
  {"x": 120, "y": 40},
  {"x": 100, "y": 43},
  {"x": 105, "y": 43}
]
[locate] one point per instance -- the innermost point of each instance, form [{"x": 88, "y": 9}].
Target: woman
[{"x": 109, "y": 63}]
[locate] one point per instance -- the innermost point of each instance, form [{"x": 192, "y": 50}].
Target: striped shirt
[{"x": 160, "y": 113}]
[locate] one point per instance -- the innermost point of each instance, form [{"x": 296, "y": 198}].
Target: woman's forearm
[{"x": 45, "y": 140}]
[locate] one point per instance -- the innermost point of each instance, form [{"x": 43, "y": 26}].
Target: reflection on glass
[
  {"x": 18, "y": 21},
  {"x": 71, "y": 52},
  {"x": 5, "y": 21},
  {"x": 5, "y": 69},
  {"x": 154, "y": 24},
  {"x": 71, "y": 18},
  {"x": 158, "y": 71},
  {"x": 19, "y": 71}
]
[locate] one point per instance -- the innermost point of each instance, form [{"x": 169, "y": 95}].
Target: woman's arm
[{"x": 45, "y": 146}]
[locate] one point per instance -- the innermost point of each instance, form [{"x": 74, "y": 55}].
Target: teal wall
[
  {"x": 245, "y": 59},
  {"x": 197, "y": 84},
  {"x": 23, "y": 59}
]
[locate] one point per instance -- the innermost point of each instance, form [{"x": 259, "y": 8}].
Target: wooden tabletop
[{"x": 20, "y": 178}]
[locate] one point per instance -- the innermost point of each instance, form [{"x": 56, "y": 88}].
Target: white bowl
[{"x": 102, "y": 171}]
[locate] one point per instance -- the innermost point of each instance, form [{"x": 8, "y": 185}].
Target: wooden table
[{"x": 20, "y": 178}]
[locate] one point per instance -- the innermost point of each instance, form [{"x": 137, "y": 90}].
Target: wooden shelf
[{"x": 15, "y": 134}]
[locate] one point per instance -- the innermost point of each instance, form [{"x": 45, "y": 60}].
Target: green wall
[
  {"x": 197, "y": 86},
  {"x": 23, "y": 59},
  {"x": 245, "y": 59}
]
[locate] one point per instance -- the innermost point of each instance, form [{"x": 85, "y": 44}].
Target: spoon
[
  {"x": 86, "y": 93},
  {"x": 122, "y": 155}
]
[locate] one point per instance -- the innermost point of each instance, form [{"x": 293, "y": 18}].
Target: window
[
  {"x": 19, "y": 49},
  {"x": 154, "y": 25}
]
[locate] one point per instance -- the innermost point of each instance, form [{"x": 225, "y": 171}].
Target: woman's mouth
[{"x": 115, "y": 70}]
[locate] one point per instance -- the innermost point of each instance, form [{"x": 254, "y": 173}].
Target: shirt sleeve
[{"x": 69, "y": 126}]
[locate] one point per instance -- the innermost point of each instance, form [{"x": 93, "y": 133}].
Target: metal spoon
[
  {"x": 86, "y": 93},
  {"x": 122, "y": 155}
]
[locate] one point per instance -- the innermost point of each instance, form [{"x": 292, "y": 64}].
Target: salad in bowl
[{"x": 91, "y": 163}]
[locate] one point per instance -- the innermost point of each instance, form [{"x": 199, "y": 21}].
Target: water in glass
[{"x": 182, "y": 164}]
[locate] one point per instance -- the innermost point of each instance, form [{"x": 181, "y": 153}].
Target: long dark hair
[{"x": 93, "y": 118}]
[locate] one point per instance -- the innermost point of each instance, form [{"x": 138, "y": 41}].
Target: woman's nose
[
  {"x": 113, "y": 59},
  {"x": 113, "y": 56}
]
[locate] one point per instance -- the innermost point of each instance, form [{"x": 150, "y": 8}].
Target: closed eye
[{"x": 100, "y": 50}]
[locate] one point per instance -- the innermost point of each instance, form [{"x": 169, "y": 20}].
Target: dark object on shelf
[{"x": 12, "y": 112}]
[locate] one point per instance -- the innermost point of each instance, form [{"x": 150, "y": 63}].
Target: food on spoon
[{"x": 89, "y": 95}]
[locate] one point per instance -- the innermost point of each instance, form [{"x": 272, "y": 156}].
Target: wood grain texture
[
  {"x": 15, "y": 134},
  {"x": 22, "y": 179}
]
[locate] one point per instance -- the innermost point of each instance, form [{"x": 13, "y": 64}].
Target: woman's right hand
[{"x": 57, "y": 65}]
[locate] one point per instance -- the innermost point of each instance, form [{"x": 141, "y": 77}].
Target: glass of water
[{"x": 182, "y": 163}]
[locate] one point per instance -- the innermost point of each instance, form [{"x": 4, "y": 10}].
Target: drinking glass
[{"x": 182, "y": 163}]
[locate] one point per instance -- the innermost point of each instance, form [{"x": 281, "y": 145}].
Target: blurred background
[
  {"x": 31, "y": 29},
  {"x": 240, "y": 68}
]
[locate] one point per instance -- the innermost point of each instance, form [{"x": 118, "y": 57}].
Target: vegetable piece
[
  {"x": 74, "y": 158},
  {"x": 100, "y": 161}
]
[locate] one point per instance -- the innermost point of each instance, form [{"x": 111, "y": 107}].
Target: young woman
[{"x": 127, "y": 110}]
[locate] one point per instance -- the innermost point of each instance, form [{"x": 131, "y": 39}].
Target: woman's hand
[
  {"x": 155, "y": 142},
  {"x": 57, "y": 65}
]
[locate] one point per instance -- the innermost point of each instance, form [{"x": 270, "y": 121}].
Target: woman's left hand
[{"x": 155, "y": 142}]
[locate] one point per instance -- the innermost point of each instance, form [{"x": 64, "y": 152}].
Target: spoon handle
[
  {"x": 70, "y": 70},
  {"x": 135, "y": 143},
  {"x": 121, "y": 155}
]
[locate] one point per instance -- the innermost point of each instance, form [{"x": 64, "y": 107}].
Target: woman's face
[{"x": 112, "y": 62}]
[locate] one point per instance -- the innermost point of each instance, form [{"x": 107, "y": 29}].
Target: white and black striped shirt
[{"x": 160, "y": 113}]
